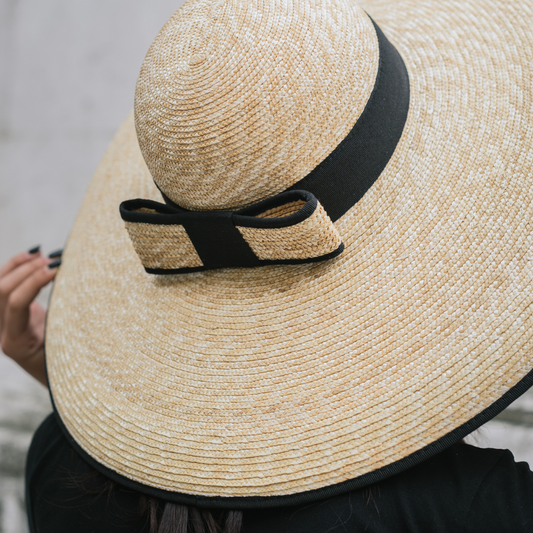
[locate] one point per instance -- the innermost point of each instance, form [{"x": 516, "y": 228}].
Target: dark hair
[
  {"x": 161, "y": 516},
  {"x": 169, "y": 517}
]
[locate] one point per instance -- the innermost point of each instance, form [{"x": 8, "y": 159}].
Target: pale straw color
[
  {"x": 301, "y": 74},
  {"x": 282, "y": 379},
  {"x": 283, "y": 210},
  {"x": 163, "y": 246},
  {"x": 314, "y": 237},
  {"x": 169, "y": 246}
]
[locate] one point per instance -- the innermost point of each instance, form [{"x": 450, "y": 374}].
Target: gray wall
[{"x": 67, "y": 76}]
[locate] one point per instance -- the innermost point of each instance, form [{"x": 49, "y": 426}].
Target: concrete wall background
[{"x": 67, "y": 76}]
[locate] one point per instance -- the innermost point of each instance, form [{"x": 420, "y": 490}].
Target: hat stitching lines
[
  {"x": 424, "y": 252},
  {"x": 280, "y": 166}
]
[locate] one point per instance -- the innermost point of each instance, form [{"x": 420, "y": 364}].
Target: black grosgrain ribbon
[
  {"x": 337, "y": 183},
  {"x": 221, "y": 240}
]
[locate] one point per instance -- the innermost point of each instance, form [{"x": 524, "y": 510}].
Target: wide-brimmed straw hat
[{"x": 330, "y": 279}]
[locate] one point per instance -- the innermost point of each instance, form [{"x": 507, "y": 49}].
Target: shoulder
[
  {"x": 47, "y": 446},
  {"x": 434, "y": 495},
  {"x": 459, "y": 464},
  {"x": 477, "y": 489},
  {"x": 63, "y": 493},
  {"x": 504, "y": 499},
  {"x": 446, "y": 492},
  {"x": 463, "y": 488},
  {"x": 437, "y": 494}
]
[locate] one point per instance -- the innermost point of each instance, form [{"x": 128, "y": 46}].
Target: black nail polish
[
  {"x": 57, "y": 253},
  {"x": 34, "y": 250},
  {"x": 55, "y": 264}
]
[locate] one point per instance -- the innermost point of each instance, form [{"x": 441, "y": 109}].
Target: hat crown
[{"x": 237, "y": 101}]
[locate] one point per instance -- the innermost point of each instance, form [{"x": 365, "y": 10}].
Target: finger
[
  {"x": 56, "y": 253},
  {"x": 11, "y": 281},
  {"x": 18, "y": 260},
  {"x": 18, "y": 307}
]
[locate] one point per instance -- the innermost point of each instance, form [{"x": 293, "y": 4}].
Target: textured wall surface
[{"x": 67, "y": 74}]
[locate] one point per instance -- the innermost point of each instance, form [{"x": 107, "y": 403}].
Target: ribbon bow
[{"x": 291, "y": 227}]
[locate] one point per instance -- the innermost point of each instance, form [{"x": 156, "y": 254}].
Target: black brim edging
[
  {"x": 261, "y": 502},
  {"x": 388, "y": 53}
]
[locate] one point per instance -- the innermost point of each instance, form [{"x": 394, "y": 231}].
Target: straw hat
[{"x": 396, "y": 174}]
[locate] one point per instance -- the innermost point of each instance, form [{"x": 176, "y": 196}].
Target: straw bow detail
[{"x": 291, "y": 227}]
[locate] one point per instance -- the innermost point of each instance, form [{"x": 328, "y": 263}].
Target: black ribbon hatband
[
  {"x": 342, "y": 179},
  {"x": 213, "y": 240},
  {"x": 291, "y": 227}
]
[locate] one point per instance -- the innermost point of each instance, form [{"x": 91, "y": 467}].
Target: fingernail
[
  {"x": 57, "y": 253},
  {"x": 34, "y": 250},
  {"x": 55, "y": 264}
]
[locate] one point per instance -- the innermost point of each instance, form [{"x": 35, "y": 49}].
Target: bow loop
[{"x": 291, "y": 227}]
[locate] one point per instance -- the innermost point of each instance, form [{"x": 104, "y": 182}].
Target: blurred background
[{"x": 67, "y": 76}]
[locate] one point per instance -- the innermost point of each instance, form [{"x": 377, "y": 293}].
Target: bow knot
[{"x": 289, "y": 228}]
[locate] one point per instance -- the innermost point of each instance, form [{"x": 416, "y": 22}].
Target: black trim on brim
[
  {"x": 262, "y": 502},
  {"x": 341, "y": 164}
]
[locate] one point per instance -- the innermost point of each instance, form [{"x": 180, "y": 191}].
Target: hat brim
[{"x": 274, "y": 381}]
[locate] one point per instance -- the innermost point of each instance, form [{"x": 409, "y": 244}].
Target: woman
[{"x": 335, "y": 292}]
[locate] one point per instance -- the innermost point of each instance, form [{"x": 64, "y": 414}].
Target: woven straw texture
[
  {"x": 283, "y": 210},
  {"x": 163, "y": 246},
  {"x": 219, "y": 141},
  {"x": 282, "y": 379},
  {"x": 313, "y": 237},
  {"x": 169, "y": 246}
]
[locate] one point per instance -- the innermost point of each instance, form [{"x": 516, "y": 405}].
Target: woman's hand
[{"x": 21, "y": 318}]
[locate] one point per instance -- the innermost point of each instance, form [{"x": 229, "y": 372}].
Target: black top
[{"x": 463, "y": 489}]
